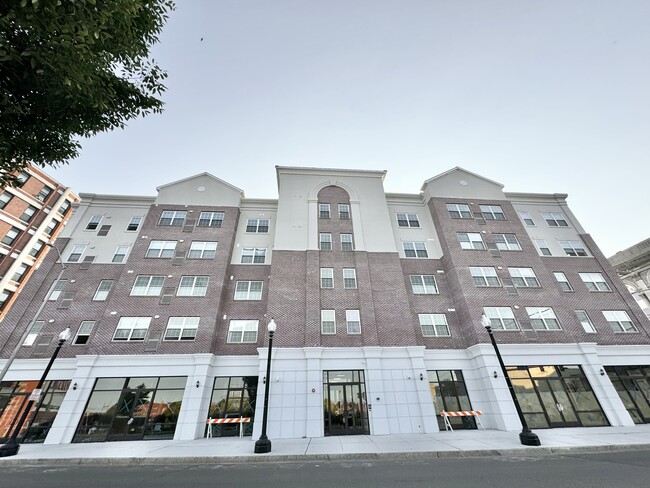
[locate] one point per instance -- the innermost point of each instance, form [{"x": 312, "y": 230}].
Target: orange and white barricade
[
  {"x": 462, "y": 413},
  {"x": 238, "y": 420}
]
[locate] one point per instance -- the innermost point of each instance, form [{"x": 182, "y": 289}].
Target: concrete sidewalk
[{"x": 460, "y": 443}]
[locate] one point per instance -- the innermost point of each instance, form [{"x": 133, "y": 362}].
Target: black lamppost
[
  {"x": 263, "y": 444},
  {"x": 527, "y": 437},
  {"x": 12, "y": 446}
]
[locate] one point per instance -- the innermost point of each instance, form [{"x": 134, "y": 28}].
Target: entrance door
[
  {"x": 557, "y": 404},
  {"x": 131, "y": 416},
  {"x": 345, "y": 410}
]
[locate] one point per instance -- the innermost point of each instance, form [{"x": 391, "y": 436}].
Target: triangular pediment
[
  {"x": 201, "y": 189},
  {"x": 461, "y": 183}
]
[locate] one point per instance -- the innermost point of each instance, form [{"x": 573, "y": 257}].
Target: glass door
[
  {"x": 558, "y": 406},
  {"x": 132, "y": 412},
  {"x": 345, "y": 409}
]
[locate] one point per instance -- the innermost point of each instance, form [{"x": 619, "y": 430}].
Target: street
[{"x": 613, "y": 469}]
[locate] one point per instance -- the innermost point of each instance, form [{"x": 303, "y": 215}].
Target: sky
[{"x": 545, "y": 96}]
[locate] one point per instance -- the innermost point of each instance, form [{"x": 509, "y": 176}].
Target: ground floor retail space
[{"x": 316, "y": 392}]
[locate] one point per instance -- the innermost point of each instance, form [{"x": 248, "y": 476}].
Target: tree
[{"x": 71, "y": 69}]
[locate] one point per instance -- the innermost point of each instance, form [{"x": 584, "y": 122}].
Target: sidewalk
[{"x": 460, "y": 443}]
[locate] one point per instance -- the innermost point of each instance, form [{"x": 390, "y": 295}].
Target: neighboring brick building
[
  {"x": 31, "y": 214},
  {"x": 378, "y": 300},
  {"x": 633, "y": 266}
]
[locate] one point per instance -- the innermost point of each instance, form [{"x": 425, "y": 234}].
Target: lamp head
[
  {"x": 272, "y": 326},
  {"x": 485, "y": 321},
  {"x": 65, "y": 335}
]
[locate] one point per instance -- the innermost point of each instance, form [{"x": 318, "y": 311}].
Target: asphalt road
[{"x": 611, "y": 470}]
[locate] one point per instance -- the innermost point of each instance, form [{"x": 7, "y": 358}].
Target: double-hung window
[
  {"x": 543, "y": 247},
  {"x": 77, "y": 252},
  {"x": 134, "y": 224},
  {"x": 174, "y": 218},
  {"x": 147, "y": 286},
  {"x": 253, "y": 255},
  {"x": 408, "y": 220},
  {"x": 181, "y": 328},
  {"x": 132, "y": 329},
  {"x": 523, "y": 277},
  {"x": 327, "y": 322},
  {"x": 22, "y": 178},
  {"x": 573, "y": 248},
  {"x": 28, "y": 213},
  {"x": 423, "y": 284},
  {"x": 243, "y": 331},
  {"x": 94, "y": 222},
  {"x": 434, "y": 324},
  {"x": 120, "y": 254},
  {"x": 19, "y": 273},
  {"x": 202, "y": 250},
  {"x": 526, "y": 218},
  {"x": 484, "y": 276},
  {"x": 585, "y": 321},
  {"x": 459, "y": 211},
  {"x": 33, "y": 333},
  {"x": 210, "y": 219},
  {"x": 57, "y": 289},
  {"x": 471, "y": 240},
  {"x": 325, "y": 241},
  {"x": 555, "y": 219},
  {"x": 346, "y": 242},
  {"x": 543, "y": 318},
  {"x": 36, "y": 250},
  {"x": 248, "y": 290},
  {"x": 10, "y": 236},
  {"x": 258, "y": 226},
  {"x": 103, "y": 289},
  {"x": 501, "y": 318},
  {"x": 324, "y": 210},
  {"x": 344, "y": 211},
  {"x": 594, "y": 282},
  {"x": 415, "y": 250},
  {"x": 327, "y": 277},
  {"x": 83, "y": 334},
  {"x": 161, "y": 249},
  {"x": 619, "y": 321},
  {"x": 5, "y": 198},
  {"x": 193, "y": 286},
  {"x": 349, "y": 278},
  {"x": 507, "y": 242},
  {"x": 563, "y": 281},
  {"x": 45, "y": 192},
  {"x": 492, "y": 212},
  {"x": 353, "y": 321}
]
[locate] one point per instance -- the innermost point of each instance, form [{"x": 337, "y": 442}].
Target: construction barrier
[
  {"x": 239, "y": 420},
  {"x": 462, "y": 413}
]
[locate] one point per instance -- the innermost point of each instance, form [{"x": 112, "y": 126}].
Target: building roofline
[
  {"x": 458, "y": 168},
  {"x": 536, "y": 196},
  {"x": 205, "y": 173},
  {"x": 329, "y": 171}
]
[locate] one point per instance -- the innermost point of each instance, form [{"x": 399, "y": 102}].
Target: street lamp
[
  {"x": 263, "y": 444},
  {"x": 527, "y": 437},
  {"x": 20, "y": 343},
  {"x": 12, "y": 446}
]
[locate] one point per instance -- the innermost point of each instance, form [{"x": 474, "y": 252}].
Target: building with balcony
[{"x": 378, "y": 299}]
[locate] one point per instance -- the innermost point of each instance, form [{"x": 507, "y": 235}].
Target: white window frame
[
  {"x": 353, "y": 322},
  {"x": 28, "y": 213},
  {"x": 242, "y": 331},
  {"x": 327, "y": 322},
  {"x": 5, "y": 198},
  {"x": 344, "y": 211},
  {"x": 434, "y": 325},
  {"x": 542, "y": 247},
  {"x": 327, "y": 278},
  {"x": 459, "y": 211},
  {"x": 347, "y": 243},
  {"x": 526, "y": 218},
  {"x": 501, "y": 318},
  {"x": 19, "y": 273},
  {"x": 594, "y": 282},
  {"x": 93, "y": 223},
  {"x": 616, "y": 320},
  {"x": 349, "y": 278},
  {"x": 524, "y": 277},
  {"x": 492, "y": 212},
  {"x": 210, "y": 219},
  {"x": 176, "y": 218},
  {"x": 324, "y": 211},
  {"x": 423, "y": 284},
  {"x": 407, "y": 220},
  {"x": 202, "y": 250},
  {"x": 249, "y": 290},
  {"x": 484, "y": 276},
  {"x": 147, "y": 286},
  {"x": 85, "y": 330},
  {"x": 192, "y": 286},
  {"x": 161, "y": 249},
  {"x": 574, "y": 248},
  {"x": 415, "y": 249},
  {"x": 258, "y": 226},
  {"x": 507, "y": 242},
  {"x": 43, "y": 193},
  {"x": 34, "y": 330},
  {"x": 563, "y": 281},
  {"x": 585, "y": 321},
  {"x": 469, "y": 241},
  {"x": 325, "y": 241},
  {"x": 135, "y": 329},
  {"x": 10, "y": 236},
  {"x": 77, "y": 252},
  {"x": 555, "y": 219},
  {"x": 120, "y": 254},
  {"x": 181, "y": 328},
  {"x": 103, "y": 289},
  {"x": 543, "y": 318},
  {"x": 253, "y": 255},
  {"x": 57, "y": 289},
  {"x": 134, "y": 224}
]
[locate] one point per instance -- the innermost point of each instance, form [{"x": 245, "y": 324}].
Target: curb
[{"x": 292, "y": 458}]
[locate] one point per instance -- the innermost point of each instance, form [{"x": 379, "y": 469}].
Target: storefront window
[
  {"x": 450, "y": 395},
  {"x": 233, "y": 397}
]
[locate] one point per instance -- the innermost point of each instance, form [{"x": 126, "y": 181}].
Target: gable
[
  {"x": 460, "y": 183},
  {"x": 202, "y": 189}
]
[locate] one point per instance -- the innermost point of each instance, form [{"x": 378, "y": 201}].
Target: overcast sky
[{"x": 541, "y": 96}]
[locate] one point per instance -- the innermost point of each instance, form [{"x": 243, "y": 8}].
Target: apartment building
[
  {"x": 377, "y": 297},
  {"x": 633, "y": 266}
]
